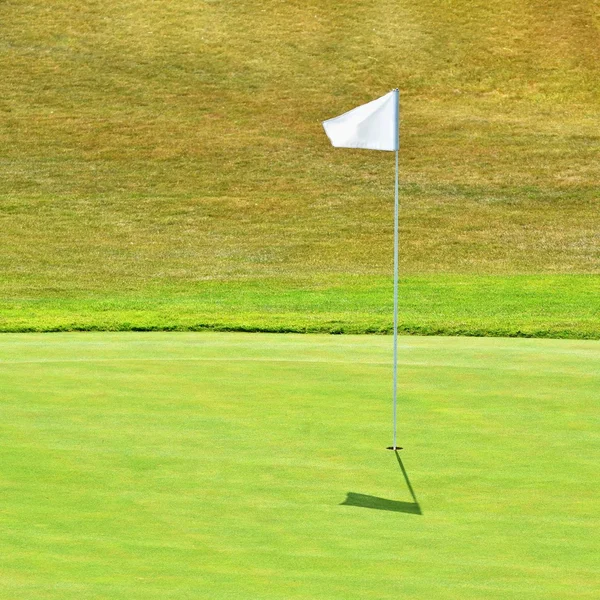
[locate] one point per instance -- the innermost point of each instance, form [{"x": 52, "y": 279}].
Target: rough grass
[
  {"x": 516, "y": 306},
  {"x": 152, "y": 146},
  {"x": 142, "y": 466}
]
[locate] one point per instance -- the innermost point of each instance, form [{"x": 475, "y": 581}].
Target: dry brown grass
[{"x": 165, "y": 143}]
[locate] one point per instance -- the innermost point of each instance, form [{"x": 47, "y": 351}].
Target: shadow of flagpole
[
  {"x": 366, "y": 501},
  {"x": 408, "y": 485}
]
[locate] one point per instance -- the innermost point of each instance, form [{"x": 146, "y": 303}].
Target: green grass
[
  {"x": 182, "y": 465},
  {"x": 523, "y": 306},
  {"x": 151, "y": 151}
]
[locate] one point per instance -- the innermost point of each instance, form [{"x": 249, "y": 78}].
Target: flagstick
[
  {"x": 396, "y": 210},
  {"x": 375, "y": 126}
]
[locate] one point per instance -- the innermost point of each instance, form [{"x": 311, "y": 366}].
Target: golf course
[
  {"x": 197, "y": 301},
  {"x": 227, "y": 465}
]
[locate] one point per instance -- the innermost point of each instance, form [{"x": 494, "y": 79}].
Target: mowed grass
[
  {"x": 157, "y": 151},
  {"x": 515, "y": 306},
  {"x": 215, "y": 465}
]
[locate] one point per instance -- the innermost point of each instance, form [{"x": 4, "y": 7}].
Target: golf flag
[
  {"x": 375, "y": 126},
  {"x": 372, "y": 126}
]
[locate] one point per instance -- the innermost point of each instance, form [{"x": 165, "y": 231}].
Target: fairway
[{"x": 221, "y": 465}]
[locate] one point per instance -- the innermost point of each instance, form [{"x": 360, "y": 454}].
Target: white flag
[{"x": 372, "y": 126}]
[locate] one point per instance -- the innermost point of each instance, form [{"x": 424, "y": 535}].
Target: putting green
[{"x": 182, "y": 465}]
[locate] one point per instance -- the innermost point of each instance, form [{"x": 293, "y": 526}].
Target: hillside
[{"x": 168, "y": 156}]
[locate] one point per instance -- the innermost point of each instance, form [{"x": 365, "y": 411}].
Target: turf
[
  {"x": 186, "y": 465},
  {"x": 153, "y": 151},
  {"x": 517, "y": 306}
]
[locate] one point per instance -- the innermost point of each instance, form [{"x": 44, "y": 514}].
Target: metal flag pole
[
  {"x": 396, "y": 211},
  {"x": 368, "y": 127}
]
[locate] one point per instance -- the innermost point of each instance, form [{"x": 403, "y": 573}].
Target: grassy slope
[
  {"x": 215, "y": 465},
  {"x": 152, "y": 153}
]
